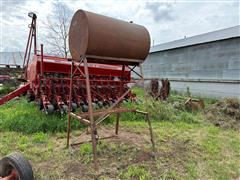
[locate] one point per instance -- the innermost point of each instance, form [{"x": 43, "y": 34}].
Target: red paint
[
  {"x": 4, "y": 77},
  {"x": 17, "y": 92}
]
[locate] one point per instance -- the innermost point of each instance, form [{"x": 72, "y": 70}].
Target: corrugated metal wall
[{"x": 211, "y": 63}]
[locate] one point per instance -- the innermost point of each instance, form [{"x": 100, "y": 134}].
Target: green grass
[
  {"x": 22, "y": 116},
  {"x": 6, "y": 89},
  {"x": 188, "y": 147},
  {"x": 39, "y": 138},
  {"x": 135, "y": 172}
]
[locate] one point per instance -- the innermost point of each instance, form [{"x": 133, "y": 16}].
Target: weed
[
  {"x": 60, "y": 135},
  {"x": 220, "y": 171},
  {"x": 235, "y": 146},
  {"x": 39, "y": 137},
  {"x": 187, "y": 117},
  {"x": 211, "y": 145},
  {"x": 135, "y": 172},
  {"x": 85, "y": 149},
  {"x": 23, "y": 143},
  {"x": 192, "y": 170},
  {"x": 170, "y": 174}
]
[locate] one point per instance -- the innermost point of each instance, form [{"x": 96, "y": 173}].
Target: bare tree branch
[{"x": 57, "y": 26}]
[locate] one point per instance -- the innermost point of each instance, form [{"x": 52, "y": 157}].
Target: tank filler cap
[{"x": 32, "y": 15}]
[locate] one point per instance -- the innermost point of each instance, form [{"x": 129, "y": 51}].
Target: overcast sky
[{"x": 165, "y": 20}]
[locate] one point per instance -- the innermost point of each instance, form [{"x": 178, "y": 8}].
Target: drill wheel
[
  {"x": 49, "y": 109},
  {"x": 74, "y": 107},
  {"x": 64, "y": 109},
  {"x": 100, "y": 104},
  {"x": 84, "y": 108}
]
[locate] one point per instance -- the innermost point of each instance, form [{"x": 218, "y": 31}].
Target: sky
[{"x": 165, "y": 20}]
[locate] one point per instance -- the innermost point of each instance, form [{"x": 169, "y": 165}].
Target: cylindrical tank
[{"x": 97, "y": 35}]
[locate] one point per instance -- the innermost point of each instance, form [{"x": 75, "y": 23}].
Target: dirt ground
[
  {"x": 115, "y": 154},
  {"x": 125, "y": 136},
  {"x": 225, "y": 114}
]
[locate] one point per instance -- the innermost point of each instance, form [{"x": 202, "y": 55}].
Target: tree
[{"x": 57, "y": 26}]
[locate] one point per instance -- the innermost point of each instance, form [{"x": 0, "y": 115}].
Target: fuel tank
[{"x": 106, "y": 39}]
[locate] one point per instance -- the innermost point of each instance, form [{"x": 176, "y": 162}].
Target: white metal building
[{"x": 209, "y": 64}]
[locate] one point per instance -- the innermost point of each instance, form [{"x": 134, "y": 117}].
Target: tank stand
[{"x": 87, "y": 118}]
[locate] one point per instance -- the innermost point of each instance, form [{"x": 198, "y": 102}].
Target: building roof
[
  {"x": 11, "y": 58},
  {"x": 199, "y": 39}
]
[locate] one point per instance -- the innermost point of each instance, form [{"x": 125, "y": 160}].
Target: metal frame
[
  {"x": 15, "y": 93},
  {"x": 102, "y": 114},
  {"x": 32, "y": 36}
]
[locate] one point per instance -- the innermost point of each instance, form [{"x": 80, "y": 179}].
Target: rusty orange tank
[{"x": 93, "y": 35}]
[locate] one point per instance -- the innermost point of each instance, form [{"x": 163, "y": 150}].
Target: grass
[
  {"x": 187, "y": 146},
  {"x": 137, "y": 172},
  {"x": 6, "y": 89},
  {"x": 25, "y": 117}
]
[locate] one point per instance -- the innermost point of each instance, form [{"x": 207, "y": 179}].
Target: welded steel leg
[
  {"x": 147, "y": 115},
  {"x": 117, "y": 123},
  {"x": 120, "y": 94},
  {"x": 151, "y": 132},
  {"x": 68, "y": 130},
  {"x": 92, "y": 122},
  {"x": 70, "y": 105}
]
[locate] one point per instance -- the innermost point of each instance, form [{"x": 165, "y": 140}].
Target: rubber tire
[
  {"x": 64, "y": 109},
  {"x": 30, "y": 97},
  {"x": 74, "y": 107},
  {"x": 100, "y": 104},
  {"x": 50, "y": 109},
  {"x": 16, "y": 161},
  {"x": 84, "y": 108},
  {"x": 54, "y": 103}
]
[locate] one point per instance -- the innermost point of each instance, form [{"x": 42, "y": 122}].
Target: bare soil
[
  {"x": 225, "y": 114},
  {"x": 129, "y": 137},
  {"x": 130, "y": 149}
]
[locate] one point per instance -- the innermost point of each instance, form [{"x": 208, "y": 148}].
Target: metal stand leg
[
  {"x": 68, "y": 131},
  {"x": 117, "y": 124},
  {"x": 70, "y": 106},
  {"x": 92, "y": 122},
  {"x": 151, "y": 132},
  {"x": 120, "y": 93},
  {"x": 147, "y": 115}
]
